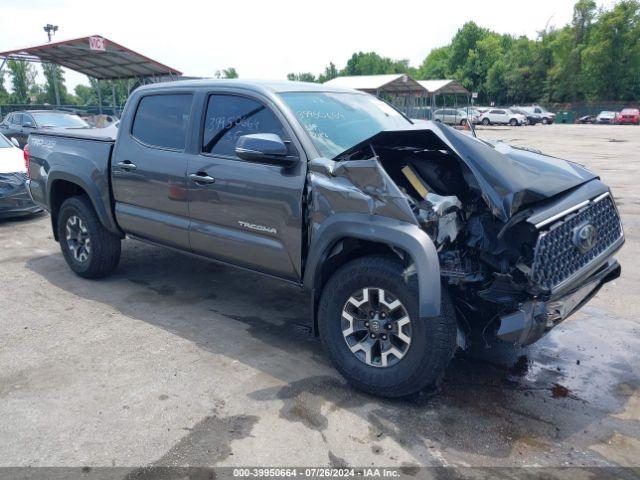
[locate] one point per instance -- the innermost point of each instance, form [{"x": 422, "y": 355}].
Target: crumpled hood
[{"x": 508, "y": 177}]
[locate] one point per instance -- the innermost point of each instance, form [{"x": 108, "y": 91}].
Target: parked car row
[
  {"x": 627, "y": 116},
  {"x": 20, "y": 125}
]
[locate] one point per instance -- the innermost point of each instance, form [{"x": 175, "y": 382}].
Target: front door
[
  {"x": 149, "y": 167},
  {"x": 245, "y": 213}
]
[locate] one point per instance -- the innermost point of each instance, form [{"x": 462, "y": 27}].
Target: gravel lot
[{"x": 172, "y": 361}]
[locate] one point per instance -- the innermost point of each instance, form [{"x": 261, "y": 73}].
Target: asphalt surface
[{"x": 175, "y": 361}]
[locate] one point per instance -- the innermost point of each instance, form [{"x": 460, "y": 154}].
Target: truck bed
[{"x": 63, "y": 159}]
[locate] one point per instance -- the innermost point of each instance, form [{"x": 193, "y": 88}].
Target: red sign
[{"x": 97, "y": 43}]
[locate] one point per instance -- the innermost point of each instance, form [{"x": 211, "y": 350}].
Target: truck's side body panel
[
  {"x": 149, "y": 188},
  {"x": 252, "y": 214},
  {"x": 80, "y": 161}
]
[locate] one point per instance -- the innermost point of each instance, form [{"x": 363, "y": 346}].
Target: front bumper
[
  {"x": 536, "y": 317},
  {"x": 14, "y": 196}
]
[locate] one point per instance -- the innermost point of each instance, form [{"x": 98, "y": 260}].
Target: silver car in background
[{"x": 455, "y": 116}]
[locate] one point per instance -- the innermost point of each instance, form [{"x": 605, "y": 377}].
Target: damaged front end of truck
[{"x": 522, "y": 239}]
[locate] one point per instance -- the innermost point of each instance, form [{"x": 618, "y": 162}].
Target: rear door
[
  {"x": 149, "y": 167},
  {"x": 242, "y": 212}
]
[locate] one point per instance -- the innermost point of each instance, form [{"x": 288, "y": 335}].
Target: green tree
[
  {"x": 227, "y": 73},
  {"x": 53, "y": 73},
  {"x": 23, "y": 80},
  {"x": 302, "y": 77},
  {"x": 371, "y": 63},
  {"x": 436, "y": 65},
  {"x": 611, "y": 61}
]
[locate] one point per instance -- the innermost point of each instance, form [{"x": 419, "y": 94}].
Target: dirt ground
[{"x": 174, "y": 361}]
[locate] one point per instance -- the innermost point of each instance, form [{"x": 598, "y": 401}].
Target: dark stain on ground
[
  {"x": 521, "y": 367},
  {"x": 335, "y": 461},
  {"x": 207, "y": 443},
  {"x": 163, "y": 397},
  {"x": 376, "y": 449},
  {"x": 559, "y": 391},
  {"x": 409, "y": 469}
]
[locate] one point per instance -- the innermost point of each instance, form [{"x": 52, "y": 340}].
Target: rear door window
[
  {"x": 162, "y": 120},
  {"x": 228, "y": 117}
]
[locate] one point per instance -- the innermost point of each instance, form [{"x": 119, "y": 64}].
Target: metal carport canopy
[
  {"x": 440, "y": 87},
  {"x": 94, "y": 56},
  {"x": 390, "y": 83}
]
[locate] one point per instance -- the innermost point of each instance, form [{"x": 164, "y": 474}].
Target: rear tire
[
  {"x": 432, "y": 340},
  {"x": 89, "y": 249}
]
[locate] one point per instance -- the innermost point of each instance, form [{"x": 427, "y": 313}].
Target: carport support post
[
  {"x": 113, "y": 97},
  {"x": 55, "y": 84},
  {"x": 99, "y": 95}
]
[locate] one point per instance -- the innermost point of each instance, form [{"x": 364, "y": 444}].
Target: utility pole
[{"x": 51, "y": 30}]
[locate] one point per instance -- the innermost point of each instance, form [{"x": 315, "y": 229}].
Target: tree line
[{"x": 596, "y": 57}]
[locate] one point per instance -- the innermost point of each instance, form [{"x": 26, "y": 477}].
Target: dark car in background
[
  {"x": 532, "y": 118},
  {"x": 586, "y": 119},
  {"x": 20, "y": 125}
]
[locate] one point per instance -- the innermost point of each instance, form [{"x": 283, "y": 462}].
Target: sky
[{"x": 268, "y": 39}]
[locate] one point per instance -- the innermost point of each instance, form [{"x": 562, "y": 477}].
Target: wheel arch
[
  {"x": 345, "y": 237},
  {"x": 62, "y": 185}
]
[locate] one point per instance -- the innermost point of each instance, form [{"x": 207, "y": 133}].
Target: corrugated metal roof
[
  {"x": 94, "y": 56},
  {"x": 438, "y": 87},
  {"x": 397, "y": 82}
]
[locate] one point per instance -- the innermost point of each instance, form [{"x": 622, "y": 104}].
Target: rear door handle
[
  {"x": 127, "y": 165},
  {"x": 201, "y": 178}
]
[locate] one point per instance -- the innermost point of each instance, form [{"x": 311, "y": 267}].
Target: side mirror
[
  {"x": 15, "y": 142},
  {"x": 264, "y": 147}
]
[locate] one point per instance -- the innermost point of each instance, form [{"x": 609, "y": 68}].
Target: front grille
[{"x": 557, "y": 258}]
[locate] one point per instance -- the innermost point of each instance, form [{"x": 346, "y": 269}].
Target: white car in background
[
  {"x": 14, "y": 197},
  {"x": 503, "y": 116}
]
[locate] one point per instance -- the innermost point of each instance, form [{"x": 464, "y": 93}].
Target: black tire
[
  {"x": 104, "y": 253},
  {"x": 433, "y": 340},
  {"x": 513, "y": 122},
  {"x": 545, "y": 121},
  {"x": 486, "y": 121},
  {"x": 463, "y": 122}
]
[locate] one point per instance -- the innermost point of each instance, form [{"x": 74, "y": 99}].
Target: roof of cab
[{"x": 264, "y": 86}]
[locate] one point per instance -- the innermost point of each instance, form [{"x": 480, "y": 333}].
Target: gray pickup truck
[{"x": 412, "y": 239}]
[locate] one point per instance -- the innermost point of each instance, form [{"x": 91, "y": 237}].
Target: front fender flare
[{"x": 405, "y": 236}]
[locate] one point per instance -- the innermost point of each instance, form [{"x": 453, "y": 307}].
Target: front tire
[
  {"x": 376, "y": 339},
  {"x": 486, "y": 121},
  {"x": 545, "y": 121},
  {"x": 513, "y": 122},
  {"x": 89, "y": 249}
]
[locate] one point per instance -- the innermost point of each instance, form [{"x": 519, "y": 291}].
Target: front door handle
[
  {"x": 127, "y": 165},
  {"x": 201, "y": 178}
]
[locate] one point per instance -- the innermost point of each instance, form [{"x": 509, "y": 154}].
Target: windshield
[
  {"x": 63, "y": 120},
  {"x": 338, "y": 121},
  {"x": 4, "y": 142}
]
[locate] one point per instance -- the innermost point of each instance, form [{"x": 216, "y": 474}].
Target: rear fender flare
[
  {"x": 102, "y": 209},
  {"x": 405, "y": 236}
]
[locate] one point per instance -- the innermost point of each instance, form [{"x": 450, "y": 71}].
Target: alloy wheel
[
  {"x": 78, "y": 240},
  {"x": 376, "y": 327}
]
